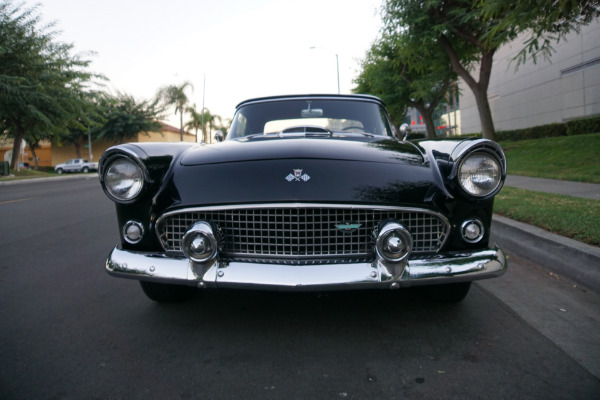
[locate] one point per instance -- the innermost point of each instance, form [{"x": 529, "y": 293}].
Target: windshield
[{"x": 330, "y": 115}]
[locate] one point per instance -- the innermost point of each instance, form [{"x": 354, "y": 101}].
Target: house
[{"x": 50, "y": 154}]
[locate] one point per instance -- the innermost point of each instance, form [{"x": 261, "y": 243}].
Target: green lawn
[
  {"x": 565, "y": 215},
  {"x": 27, "y": 174},
  {"x": 572, "y": 158},
  {"x": 569, "y": 158}
]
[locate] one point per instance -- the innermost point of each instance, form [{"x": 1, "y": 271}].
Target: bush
[
  {"x": 583, "y": 126},
  {"x": 534, "y": 132},
  {"x": 575, "y": 127},
  {"x": 416, "y": 136}
]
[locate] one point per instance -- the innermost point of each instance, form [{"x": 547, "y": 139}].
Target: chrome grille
[{"x": 302, "y": 231}]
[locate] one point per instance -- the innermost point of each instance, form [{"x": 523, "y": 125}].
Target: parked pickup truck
[{"x": 76, "y": 165}]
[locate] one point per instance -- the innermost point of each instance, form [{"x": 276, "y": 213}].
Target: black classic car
[{"x": 312, "y": 192}]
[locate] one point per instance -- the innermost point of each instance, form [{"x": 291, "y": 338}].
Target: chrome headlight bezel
[
  {"x": 480, "y": 174},
  {"x": 393, "y": 242},
  {"x": 123, "y": 179}
]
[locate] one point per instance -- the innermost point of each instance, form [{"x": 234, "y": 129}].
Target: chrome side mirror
[
  {"x": 219, "y": 137},
  {"x": 404, "y": 131}
]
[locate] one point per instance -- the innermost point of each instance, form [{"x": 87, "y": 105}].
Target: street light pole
[
  {"x": 203, "y": 94},
  {"x": 337, "y": 64}
]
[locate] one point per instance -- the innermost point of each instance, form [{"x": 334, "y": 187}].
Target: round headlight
[
  {"x": 123, "y": 179},
  {"x": 479, "y": 174}
]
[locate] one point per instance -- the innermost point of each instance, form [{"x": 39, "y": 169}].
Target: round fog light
[
  {"x": 199, "y": 243},
  {"x": 472, "y": 231},
  {"x": 394, "y": 242},
  {"x": 133, "y": 232}
]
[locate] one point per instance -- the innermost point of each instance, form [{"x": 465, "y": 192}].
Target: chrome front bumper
[{"x": 450, "y": 267}]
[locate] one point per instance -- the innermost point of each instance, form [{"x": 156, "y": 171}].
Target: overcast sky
[{"x": 243, "y": 48}]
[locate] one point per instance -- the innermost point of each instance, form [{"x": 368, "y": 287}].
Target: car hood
[
  {"x": 301, "y": 170},
  {"x": 369, "y": 150}
]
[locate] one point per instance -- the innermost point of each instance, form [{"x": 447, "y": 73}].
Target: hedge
[{"x": 574, "y": 127}]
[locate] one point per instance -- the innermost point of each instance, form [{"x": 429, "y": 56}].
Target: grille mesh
[{"x": 303, "y": 232}]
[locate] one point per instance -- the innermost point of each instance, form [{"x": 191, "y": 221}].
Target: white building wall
[{"x": 563, "y": 88}]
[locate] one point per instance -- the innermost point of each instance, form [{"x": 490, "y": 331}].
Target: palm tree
[
  {"x": 173, "y": 95},
  {"x": 201, "y": 120},
  {"x": 195, "y": 121},
  {"x": 207, "y": 118}
]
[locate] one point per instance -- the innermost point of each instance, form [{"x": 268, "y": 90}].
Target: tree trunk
[
  {"x": 181, "y": 126},
  {"x": 429, "y": 125},
  {"x": 479, "y": 88},
  {"x": 454, "y": 96},
  {"x": 449, "y": 127},
  {"x": 77, "y": 143},
  {"x": 19, "y": 134},
  {"x": 427, "y": 114},
  {"x": 485, "y": 115},
  {"x": 35, "y": 159}
]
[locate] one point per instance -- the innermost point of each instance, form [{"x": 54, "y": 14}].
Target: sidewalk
[{"x": 576, "y": 189}]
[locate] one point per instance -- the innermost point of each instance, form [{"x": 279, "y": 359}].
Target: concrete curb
[
  {"x": 564, "y": 256},
  {"x": 50, "y": 179}
]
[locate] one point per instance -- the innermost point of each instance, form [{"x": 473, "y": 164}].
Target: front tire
[
  {"x": 165, "y": 293},
  {"x": 59, "y": 171},
  {"x": 448, "y": 293}
]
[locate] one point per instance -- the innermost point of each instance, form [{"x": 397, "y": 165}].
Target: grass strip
[
  {"x": 569, "y": 158},
  {"x": 568, "y": 216},
  {"x": 26, "y": 174}
]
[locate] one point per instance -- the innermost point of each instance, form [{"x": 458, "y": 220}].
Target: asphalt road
[{"x": 69, "y": 331}]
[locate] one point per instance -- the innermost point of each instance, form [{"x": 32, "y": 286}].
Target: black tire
[
  {"x": 165, "y": 293},
  {"x": 59, "y": 171},
  {"x": 448, "y": 293},
  {"x": 85, "y": 170}
]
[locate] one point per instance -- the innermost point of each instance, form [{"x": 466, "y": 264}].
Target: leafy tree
[
  {"x": 542, "y": 22},
  {"x": 123, "y": 117},
  {"x": 403, "y": 76},
  {"x": 223, "y": 125},
  {"x": 82, "y": 122},
  {"x": 470, "y": 32},
  {"x": 39, "y": 79},
  {"x": 33, "y": 138},
  {"x": 174, "y": 95}
]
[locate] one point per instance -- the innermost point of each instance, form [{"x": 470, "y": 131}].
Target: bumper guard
[{"x": 446, "y": 268}]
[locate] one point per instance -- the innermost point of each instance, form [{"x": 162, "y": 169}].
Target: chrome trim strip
[
  {"x": 483, "y": 145},
  {"x": 299, "y": 205},
  {"x": 271, "y": 99},
  {"x": 120, "y": 151},
  {"x": 451, "y": 267}
]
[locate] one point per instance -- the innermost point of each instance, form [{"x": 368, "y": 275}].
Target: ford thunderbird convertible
[{"x": 313, "y": 192}]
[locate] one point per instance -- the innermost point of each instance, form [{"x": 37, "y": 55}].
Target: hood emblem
[{"x": 297, "y": 176}]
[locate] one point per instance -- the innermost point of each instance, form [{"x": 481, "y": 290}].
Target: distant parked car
[
  {"x": 314, "y": 192},
  {"x": 76, "y": 165}
]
